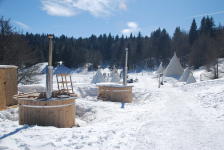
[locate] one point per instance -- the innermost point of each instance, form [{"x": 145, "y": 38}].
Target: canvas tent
[
  {"x": 115, "y": 77},
  {"x": 160, "y": 69},
  {"x": 185, "y": 75},
  {"x": 191, "y": 78},
  {"x": 98, "y": 77},
  {"x": 174, "y": 68}
]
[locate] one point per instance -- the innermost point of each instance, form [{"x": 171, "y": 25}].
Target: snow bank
[
  {"x": 210, "y": 94},
  {"x": 9, "y": 114},
  {"x": 85, "y": 90}
]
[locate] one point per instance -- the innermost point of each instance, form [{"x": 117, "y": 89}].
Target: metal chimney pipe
[
  {"x": 49, "y": 76},
  {"x": 125, "y": 67}
]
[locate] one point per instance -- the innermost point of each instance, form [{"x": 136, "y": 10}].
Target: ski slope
[{"x": 174, "y": 117}]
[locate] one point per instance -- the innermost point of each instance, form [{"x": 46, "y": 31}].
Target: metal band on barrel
[
  {"x": 56, "y": 106},
  {"x": 117, "y": 90}
]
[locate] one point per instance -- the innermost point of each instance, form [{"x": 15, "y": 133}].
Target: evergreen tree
[
  {"x": 207, "y": 26},
  {"x": 193, "y": 34},
  {"x": 181, "y": 45}
]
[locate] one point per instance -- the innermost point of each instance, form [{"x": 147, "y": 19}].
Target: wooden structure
[
  {"x": 58, "y": 112},
  {"x": 64, "y": 82},
  {"x": 8, "y": 85},
  {"x": 115, "y": 93}
]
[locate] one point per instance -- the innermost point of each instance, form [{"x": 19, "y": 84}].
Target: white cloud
[
  {"x": 22, "y": 25},
  {"x": 123, "y": 5},
  {"x": 208, "y": 14},
  {"x": 132, "y": 27},
  {"x": 72, "y": 7},
  {"x": 58, "y": 8}
]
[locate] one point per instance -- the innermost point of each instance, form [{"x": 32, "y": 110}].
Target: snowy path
[{"x": 180, "y": 123}]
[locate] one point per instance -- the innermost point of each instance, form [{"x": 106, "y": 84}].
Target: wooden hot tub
[
  {"x": 58, "y": 112},
  {"x": 115, "y": 92}
]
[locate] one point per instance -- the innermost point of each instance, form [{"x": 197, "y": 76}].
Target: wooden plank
[
  {"x": 11, "y": 86},
  {"x": 71, "y": 83},
  {"x": 2, "y": 89}
]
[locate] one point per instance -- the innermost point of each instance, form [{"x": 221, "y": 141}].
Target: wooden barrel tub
[
  {"x": 58, "y": 112},
  {"x": 115, "y": 93}
]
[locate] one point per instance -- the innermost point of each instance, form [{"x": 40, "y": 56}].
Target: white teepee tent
[
  {"x": 174, "y": 68},
  {"x": 191, "y": 78},
  {"x": 160, "y": 69},
  {"x": 114, "y": 75},
  {"x": 98, "y": 77},
  {"x": 185, "y": 75}
]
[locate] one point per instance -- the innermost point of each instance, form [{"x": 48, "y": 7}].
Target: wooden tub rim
[
  {"x": 52, "y": 106},
  {"x": 45, "y": 100},
  {"x": 114, "y": 85},
  {"x": 47, "y": 106}
]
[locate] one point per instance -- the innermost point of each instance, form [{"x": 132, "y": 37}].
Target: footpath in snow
[
  {"x": 174, "y": 117},
  {"x": 180, "y": 123}
]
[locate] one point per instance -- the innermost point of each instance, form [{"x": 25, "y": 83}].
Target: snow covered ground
[{"x": 174, "y": 117}]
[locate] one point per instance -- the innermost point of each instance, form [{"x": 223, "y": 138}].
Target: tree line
[{"x": 201, "y": 45}]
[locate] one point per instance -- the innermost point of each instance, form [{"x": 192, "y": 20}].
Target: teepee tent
[
  {"x": 185, "y": 75},
  {"x": 174, "y": 68},
  {"x": 115, "y": 76},
  {"x": 191, "y": 78},
  {"x": 98, "y": 77},
  {"x": 160, "y": 69}
]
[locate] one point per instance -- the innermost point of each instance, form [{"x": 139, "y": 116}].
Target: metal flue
[
  {"x": 125, "y": 67},
  {"x": 49, "y": 76}
]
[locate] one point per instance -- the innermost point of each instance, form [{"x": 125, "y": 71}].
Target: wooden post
[
  {"x": 160, "y": 81},
  {"x": 162, "y": 78},
  {"x": 71, "y": 83},
  {"x": 8, "y": 85}
]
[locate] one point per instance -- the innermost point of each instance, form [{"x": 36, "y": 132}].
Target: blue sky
[{"x": 86, "y": 17}]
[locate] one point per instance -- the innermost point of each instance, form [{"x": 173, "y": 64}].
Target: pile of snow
[
  {"x": 174, "y": 68},
  {"x": 31, "y": 88},
  {"x": 62, "y": 69},
  {"x": 86, "y": 90},
  {"x": 9, "y": 114},
  {"x": 98, "y": 77},
  {"x": 210, "y": 94},
  {"x": 39, "y": 67}
]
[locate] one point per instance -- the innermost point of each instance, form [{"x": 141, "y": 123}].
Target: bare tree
[{"x": 14, "y": 50}]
